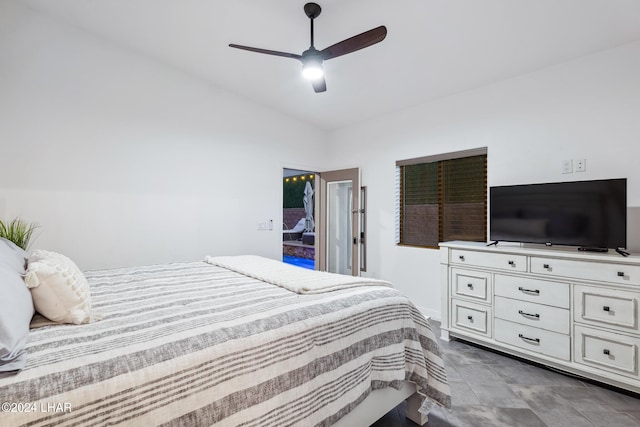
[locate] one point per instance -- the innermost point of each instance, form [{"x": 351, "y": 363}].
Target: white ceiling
[{"x": 434, "y": 48}]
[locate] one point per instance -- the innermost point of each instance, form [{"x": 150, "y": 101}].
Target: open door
[{"x": 338, "y": 246}]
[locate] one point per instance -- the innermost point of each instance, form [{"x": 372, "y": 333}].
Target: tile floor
[{"x": 490, "y": 389}]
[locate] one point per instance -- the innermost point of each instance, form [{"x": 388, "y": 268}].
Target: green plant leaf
[{"x": 18, "y": 231}]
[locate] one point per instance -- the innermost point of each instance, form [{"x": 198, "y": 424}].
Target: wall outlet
[
  {"x": 567, "y": 166},
  {"x": 581, "y": 165}
]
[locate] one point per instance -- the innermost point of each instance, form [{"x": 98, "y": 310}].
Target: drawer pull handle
[
  {"x": 470, "y": 285},
  {"x": 536, "y": 315},
  {"x": 607, "y": 352},
  {"x": 533, "y": 291},
  {"x": 470, "y": 318},
  {"x": 461, "y": 257},
  {"x": 620, "y": 273},
  {"x": 512, "y": 263},
  {"x": 536, "y": 340},
  {"x": 606, "y": 308},
  {"x": 545, "y": 266}
]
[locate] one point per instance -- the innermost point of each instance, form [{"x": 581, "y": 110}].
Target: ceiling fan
[{"x": 312, "y": 58}]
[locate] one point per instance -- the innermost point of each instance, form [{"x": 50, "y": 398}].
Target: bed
[{"x": 229, "y": 341}]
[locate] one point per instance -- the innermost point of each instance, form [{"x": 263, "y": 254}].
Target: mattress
[{"x": 198, "y": 344}]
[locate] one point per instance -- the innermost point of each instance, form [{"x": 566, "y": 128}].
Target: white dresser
[{"x": 572, "y": 310}]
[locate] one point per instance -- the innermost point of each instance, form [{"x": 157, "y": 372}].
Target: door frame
[{"x": 352, "y": 175}]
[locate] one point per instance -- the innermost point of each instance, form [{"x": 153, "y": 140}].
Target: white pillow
[
  {"x": 16, "y": 307},
  {"x": 59, "y": 290}
]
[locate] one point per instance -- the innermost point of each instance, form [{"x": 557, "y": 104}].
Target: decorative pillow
[
  {"x": 16, "y": 307},
  {"x": 59, "y": 289}
]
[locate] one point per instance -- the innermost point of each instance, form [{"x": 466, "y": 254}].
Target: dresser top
[{"x": 563, "y": 252}]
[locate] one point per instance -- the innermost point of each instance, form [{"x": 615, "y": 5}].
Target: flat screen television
[{"x": 588, "y": 214}]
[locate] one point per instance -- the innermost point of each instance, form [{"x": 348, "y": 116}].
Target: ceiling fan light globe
[
  {"x": 312, "y": 69},
  {"x": 312, "y": 73}
]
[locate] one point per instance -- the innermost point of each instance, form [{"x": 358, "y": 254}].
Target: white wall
[
  {"x": 588, "y": 108},
  {"x": 124, "y": 161}
]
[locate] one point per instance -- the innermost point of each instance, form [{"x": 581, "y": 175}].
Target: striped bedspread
[{"x": 193, "y": 344}]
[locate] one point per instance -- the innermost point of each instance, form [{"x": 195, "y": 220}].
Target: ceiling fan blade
[
  {"x": 319, "y": 85},
  {"x": 267, "y": 52},
  {"x": 354, "y": 43}
]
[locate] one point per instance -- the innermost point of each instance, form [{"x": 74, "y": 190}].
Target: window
[{"x": 441, "y": 198}]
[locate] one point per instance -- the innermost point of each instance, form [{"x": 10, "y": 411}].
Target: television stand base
[
  {"x": 622, "y": 252},
  {"x": 494, "y": 243},
  {"x": 589, "y": 249}
]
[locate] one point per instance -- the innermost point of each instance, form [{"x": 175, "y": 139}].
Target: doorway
[{"x": 298, "y": 218}]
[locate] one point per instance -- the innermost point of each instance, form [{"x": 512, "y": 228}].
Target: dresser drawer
[
  {"x": 489, "y": 260},
  {"x": 606, "y": 307},
  {"x": 537, "y": 315},
  {"x": 596, "y": 271},
  {"x": 471, "y": 284},
  {"x": 533, "y": 339},
  {"x": 471, "y": 317},
  {"x": 532, "y": 290},
  {"x": 608, "y": 351}
]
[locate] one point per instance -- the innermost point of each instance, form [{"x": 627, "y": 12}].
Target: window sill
[{"x": 406, "y": 245}]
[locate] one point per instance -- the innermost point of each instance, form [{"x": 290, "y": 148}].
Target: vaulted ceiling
[{"x": 434, "y": 48}]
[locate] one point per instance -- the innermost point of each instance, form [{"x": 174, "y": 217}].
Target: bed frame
[{"x": 379, "y": 402}]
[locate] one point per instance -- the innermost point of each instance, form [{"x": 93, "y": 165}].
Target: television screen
[{"x": 590, "y": 214}]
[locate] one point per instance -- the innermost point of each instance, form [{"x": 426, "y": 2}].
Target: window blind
[
  {"x": 464, "y": 199},
  {"x": 442, "y": 200},
  {"x": 397, "y": 207}
]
